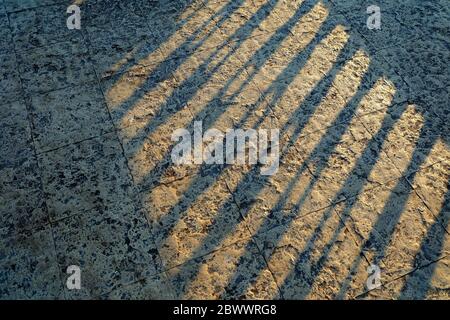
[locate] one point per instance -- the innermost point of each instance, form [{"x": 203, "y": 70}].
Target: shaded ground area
[{"x": 86, "y": 176}]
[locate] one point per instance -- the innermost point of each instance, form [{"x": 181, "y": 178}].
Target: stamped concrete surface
[{"x": 87, "y": 178}]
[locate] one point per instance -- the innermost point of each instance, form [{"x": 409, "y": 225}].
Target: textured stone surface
[
  {"x": 13, "y": 5},
  {"x": 16, "y": 139},
  {"x": 138, "y": 95},
  {"x": 9, "y": 80},
  {"x": 22, "y": 203},
  {"x": 152, "y": 288},
  {"x": 235, "y": 272},
  {"x": 429, "y": 282},
  {"x": 58, "y": 66},
  {"x": 409, "y": 134},
  {"x": 110, "y": 251},
  {"x": 432, "y": 184},
  {"x": 5, "y": 32},
  {"x": 42, "y": 26},
  {"x": 311, "y": 257},
  {"x": 29, "y": 269},
  {"x": 86, "y": 170},
  {"x": 119, "y": 34},
  {"x": 195, "y": 222},
  {"x": 395, "y": 229},
  {"x": 80, "y": 177},
  {"x": 66, "y": 116}
]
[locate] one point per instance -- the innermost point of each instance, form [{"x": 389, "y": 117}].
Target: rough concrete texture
[{"x": 87, "y": 178}]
